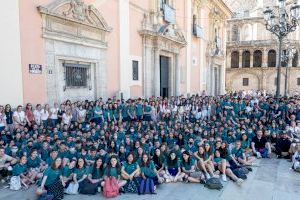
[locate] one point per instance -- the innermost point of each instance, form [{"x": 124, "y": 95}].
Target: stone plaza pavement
[{"x": 273, "y": 180}]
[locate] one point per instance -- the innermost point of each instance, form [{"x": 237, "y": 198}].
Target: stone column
[
  {"x": 265, "y": 58},
  {"x": 177, "y": 76},
  {"x": 156, "y": 73},
  {"x": 251, "y": 59},
  {"x": 240, "y": 58}
]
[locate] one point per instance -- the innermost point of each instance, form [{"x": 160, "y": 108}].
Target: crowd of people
[{"x": 76, "y": 147}]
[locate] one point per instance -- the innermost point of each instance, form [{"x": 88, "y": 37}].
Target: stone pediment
[
  {"x": 76, "y": 11},
  {"x": 169, "y": 32}
]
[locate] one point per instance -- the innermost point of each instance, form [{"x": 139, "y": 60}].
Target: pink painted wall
[
  {"x": 195, "y": 69},
  {"x": 34, "y": 85},
  {"x": 110, "y": 11},
  {"x": 181, "y": 20}
]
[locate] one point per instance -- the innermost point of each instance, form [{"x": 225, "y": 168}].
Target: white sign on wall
[{"x": 35, "y": 69}]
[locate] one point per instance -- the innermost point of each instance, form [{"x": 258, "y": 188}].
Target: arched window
[
  {"x": 235, "y": 33},
  {"x": 295, "y": 60},
  {"x": 257, "y": 58},
  {"x": 246, "y": 59},
  {"x": 235, "y": 59},
  {"x": 272, "y": 58}
]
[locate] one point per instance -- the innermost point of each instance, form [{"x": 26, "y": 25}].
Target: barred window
[
  {"x": 245, "y": 81},
  {"x": 135, "y": 70},
  {"x": 76, "y": 75},
  {"x": 298, "y": 81}
]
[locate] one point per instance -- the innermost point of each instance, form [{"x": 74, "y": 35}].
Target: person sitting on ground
[
  {"x": 260, "y": 146},
  {"x": 282, "y": 146},
  {"x": 6, "y": 163},
  {"x": 188, "y": 167},
  {"x": 296, "y": 158},
  {"x": 173, "y": 170},
  {"x": 20, "y": 169},
  {"x": 131, "y": 173}
]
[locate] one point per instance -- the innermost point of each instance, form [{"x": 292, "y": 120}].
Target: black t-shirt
[{"x": 259, "y": 143}]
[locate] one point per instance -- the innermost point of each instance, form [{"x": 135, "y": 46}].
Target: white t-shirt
[
  {"x": 66, "y": 119},
  {"x": 44, "y": 114},
  {"x": 37, "y": 116},
  {"x": 5, "y": 159},
  {"x": 54, "y": 112},
  {"x": 20, "y": 116},
  {"x": 2, "y": 119},
  {"x": 81, "y": 113}
]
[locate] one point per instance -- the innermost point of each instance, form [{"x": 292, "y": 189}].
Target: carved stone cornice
[{"x": 76, "y": 11}]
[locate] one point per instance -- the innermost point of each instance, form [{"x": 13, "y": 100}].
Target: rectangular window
[
  {"x": 298, "y": 81},
  {"x": 275, "y": 81},
  {"x": 76, "y": 75},
  {"x": 245, "y": 81},
  {"x": 135, "y": 70}
]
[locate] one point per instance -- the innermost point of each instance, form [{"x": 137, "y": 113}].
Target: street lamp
[
  {"x": 280, "y": 23},
  {"x": 287, "y": 54}
]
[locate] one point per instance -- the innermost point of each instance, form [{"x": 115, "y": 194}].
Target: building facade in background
[
  {"x": 252, "y": 50},
  {"x": 86, "y": 49}
]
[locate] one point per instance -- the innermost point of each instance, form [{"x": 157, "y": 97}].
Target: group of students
[{"x": 78, "y": 147}]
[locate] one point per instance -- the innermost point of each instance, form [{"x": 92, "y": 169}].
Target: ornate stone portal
[
  {"x": 74, "y": 33},
  {"x": 160, "y": 40}
]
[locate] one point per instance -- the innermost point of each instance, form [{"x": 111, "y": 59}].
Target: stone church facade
[
  {"x": 87, "y": 49},
  {"x": 252, "y": 51}
]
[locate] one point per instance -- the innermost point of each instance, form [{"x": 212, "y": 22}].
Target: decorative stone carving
[{"x": 75, "y": 11}]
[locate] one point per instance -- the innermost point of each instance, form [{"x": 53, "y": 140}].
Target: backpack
[
  {"x": 213, "y": 183},
  {"x": 244, "y": 170},
  {"x": 132, "y": 186},
  {"x": 86, "y": 187},
  {"x": 111, "y": 187},
  {"x": 239, "y": 172},
  {"x": 15, "y": 183},
  {"x": 72, "y": 188},
  {"x": 146, "y": 186}
]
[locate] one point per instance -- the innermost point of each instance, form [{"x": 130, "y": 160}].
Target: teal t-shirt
[
  {"x": 149, "y": 171},
  {"x": 67, "y": 171},
  {"x": 139, "y": 109},
  {"x": 18, "y": 169},
  {"x": 96, "y": 173},
  {"x": 111, "y": 172},
  {"x": 187, "y": 165},
  {"x": 33, "y": 163},
  {"x": 217, "y": 159},
  {"x": 80, "y": 172},
  {"x": 130, "y": 168},
  {"x": 237, "y": 152},
  {"x": 52, "y": 175}
]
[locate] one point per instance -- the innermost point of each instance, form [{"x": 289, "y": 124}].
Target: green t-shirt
[
  {"x": 96, "y": 173},
  {"x": 130, "y": 168},
  {"x": 111, "y": 172},
  {"x": 149, "y": 171},
  {"x": 33, "y": 163},
  {"x": 18, "y": 169},
  {"x": 80, "y": 172},
  {"x": 187, "y": 165},
  {"x": 67, "y": 171},
  {"x": 52, "y": 175},
  {"x": 217, "y": 159}
]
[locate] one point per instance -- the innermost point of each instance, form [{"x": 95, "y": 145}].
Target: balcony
[{"x": 169, "y": 14}]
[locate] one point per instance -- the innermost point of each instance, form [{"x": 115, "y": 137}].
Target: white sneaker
[
  {"x": 207, "y": 176},
  {"x": 239, "y": 182},
  {"x": 224, "y": 178},
  {"x": 255, "y": 165},
  {"x": 258, "y": 155},
  {"x": 99, "y": 189}
]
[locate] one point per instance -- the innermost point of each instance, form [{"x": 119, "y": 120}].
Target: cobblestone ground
[{"x": 273, "y": 180}]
